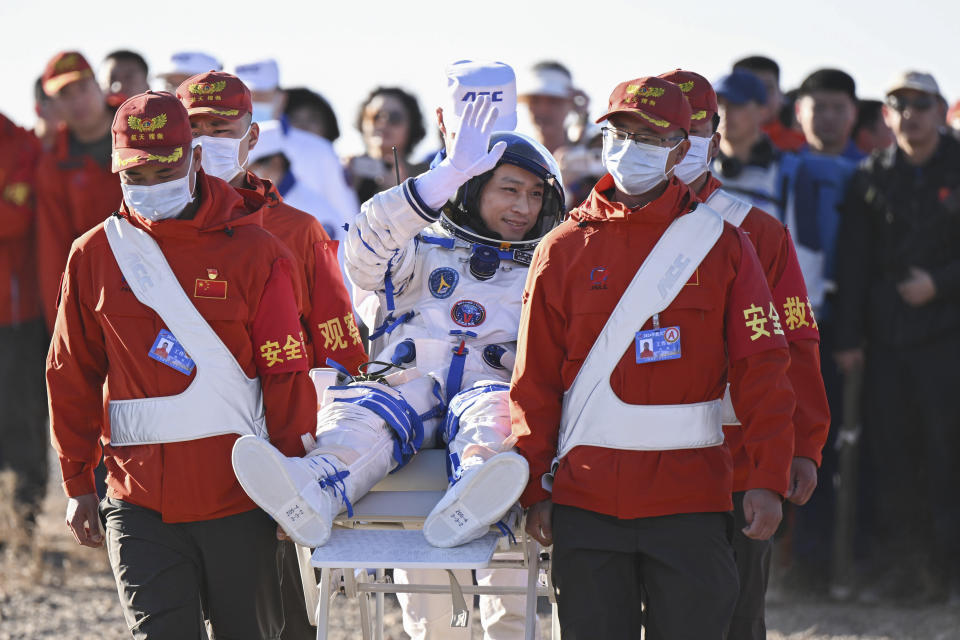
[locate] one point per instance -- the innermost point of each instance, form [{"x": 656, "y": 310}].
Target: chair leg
[
  {"x": 308, "y": 578},
  {"x": 378, "y": 630},
  {"x": 323, "y": 604},
  {"x": 532, "y": 552}
]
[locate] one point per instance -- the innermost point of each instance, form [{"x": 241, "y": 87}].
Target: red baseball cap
[
  {"x": 699, "y": 92},
  {"x": 64, "y": 68},
  {"x": 659, "y": 102},
  {"x": 215, "y": 93},
  {"x": 151, "y": 128}
]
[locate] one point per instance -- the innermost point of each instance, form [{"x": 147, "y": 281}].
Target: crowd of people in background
[{"x": 868, "y": 186}]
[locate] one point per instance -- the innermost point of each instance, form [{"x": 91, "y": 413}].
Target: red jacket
[
  {"x": 19, "y": 151},
  {"x": 811, "y": 418},
  {"x": 74, "y": 194},
  {"x": 103, "y": 335},
  {"x": 784, "y": 138},
  {"x": 331, "y": 329},
  {"x": 578, "y": 274}
]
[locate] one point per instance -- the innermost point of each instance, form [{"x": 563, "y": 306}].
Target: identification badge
[
  {"x": 167, "y": 350},
  {"x": 658, "y": 344}
]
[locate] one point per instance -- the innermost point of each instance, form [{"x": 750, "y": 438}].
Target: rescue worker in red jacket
[
  {"x": 180, "y": 265},
  {"x": 632, "y": 448},
  {"x": 23, "y": 336},
  {"x": 220, "y": 108},
  {"x": 75, "y": 188},
  {"x": 811, "y": 418}
]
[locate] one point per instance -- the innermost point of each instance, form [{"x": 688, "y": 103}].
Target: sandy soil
[{"x": 51, "y": 588}]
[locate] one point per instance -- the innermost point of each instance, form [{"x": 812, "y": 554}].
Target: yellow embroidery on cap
[
  {"x": 67, "y": 63},
  {"x": 655, "y": 121},
  {"x": 121, "y": 162},
  {"x": 147, "y": 124},
  {"x": 207, "y": 88},
  {"x": 173, "y": 157},
  {"x": 699, "y": 115},
  {"x": 224, "y": 112},
  {"x": 686, "y": 86}
]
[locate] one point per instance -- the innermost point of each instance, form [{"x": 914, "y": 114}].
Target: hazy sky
[{"x": 342, "y": 49}]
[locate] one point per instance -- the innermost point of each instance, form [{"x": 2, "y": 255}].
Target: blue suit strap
[
  {"x": 397, "y": 413},
  {"x": 451, "y": 424}
]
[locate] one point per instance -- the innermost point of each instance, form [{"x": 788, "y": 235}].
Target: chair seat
[{"x": 375, "y": 548}]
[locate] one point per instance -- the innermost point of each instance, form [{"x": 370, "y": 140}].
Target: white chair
[{"x": 385, "y": 532}]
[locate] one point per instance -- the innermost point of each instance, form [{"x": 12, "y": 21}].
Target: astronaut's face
[{"x": 511, "y": 201}]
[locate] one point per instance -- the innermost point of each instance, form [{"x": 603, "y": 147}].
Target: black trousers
[
  {"x": 296, "y": 623},
  {"x": 912, "y": 430},
  {"x": 753, "y": 567},
  {"x": 169, "y": 575},
  {"x": 24, "y": 440},
  {"x": 681, "y": 567}
]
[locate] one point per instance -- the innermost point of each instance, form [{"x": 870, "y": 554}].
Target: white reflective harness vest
[
  {"x": 221, "y": 399},
  {"x": 734, "y": 210},
  {"x": 592, "y": 414}
]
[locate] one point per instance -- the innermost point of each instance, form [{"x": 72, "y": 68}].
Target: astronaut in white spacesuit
[{"x": 450, "y": 284}]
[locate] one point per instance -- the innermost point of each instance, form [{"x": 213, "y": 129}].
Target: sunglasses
[
  {"x": 901, "y": 104},
  {"x": 392, "y": 117}
]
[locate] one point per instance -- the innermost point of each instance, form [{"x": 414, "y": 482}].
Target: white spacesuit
[{"x": 450, "y": 305}]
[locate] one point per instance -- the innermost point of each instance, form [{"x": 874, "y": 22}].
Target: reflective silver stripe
[
  {"x": 221, "y": 399},
  {"x": 592, "y": 413}
]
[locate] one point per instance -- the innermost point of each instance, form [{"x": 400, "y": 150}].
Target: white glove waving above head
[{"x": 468, "y": 156}]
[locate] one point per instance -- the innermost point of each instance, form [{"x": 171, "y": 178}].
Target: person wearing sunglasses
[
  {"x": 898, "y": 317},
  {"x": 389, "y": 117},
  {"x": 630, "y": 479}
]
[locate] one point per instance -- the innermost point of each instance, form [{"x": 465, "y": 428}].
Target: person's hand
[
  {"x": 762, "y": 510},
  {"x": 84, "y": 520},
  {"x": 540, "y": 522},
  {"x": 281, "y": 534},
  {"x": 918, "y": 288},
  {"x": 849, "y": 360},
  {"x": 803, "y": 480},
  {"x": 469, "y": 154}
]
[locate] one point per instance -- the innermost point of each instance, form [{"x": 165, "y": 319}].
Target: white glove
[
  {"x": 467, "y": 157},
  {"x": 469, "y": 154}
]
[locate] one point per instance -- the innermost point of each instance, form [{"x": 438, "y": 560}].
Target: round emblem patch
[
  {"x": 671, "y": 335},
  {"x": 468, "y": 313},
  {"x": 442, "y": 282}
]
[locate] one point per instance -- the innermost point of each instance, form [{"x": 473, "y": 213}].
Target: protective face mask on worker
[
  {"x": 636, "y": 167},
  {"x": 221, "y": 156},
  {"x": 157, "y": 202},
  {"x": 694, "y": 164}
]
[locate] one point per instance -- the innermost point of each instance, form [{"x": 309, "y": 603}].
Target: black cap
[{"x": 829, "y": 80}]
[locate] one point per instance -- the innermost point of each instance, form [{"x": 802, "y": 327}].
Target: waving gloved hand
[
  {"x": 467, "y": 157},
  {"x": 469, "y": 154}
]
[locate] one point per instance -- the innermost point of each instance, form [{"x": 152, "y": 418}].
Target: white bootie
[
  {"x": 481, "y": 496},
  {"x": 289, "y": 488}
]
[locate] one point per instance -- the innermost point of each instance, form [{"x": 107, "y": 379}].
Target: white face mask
[
  {"x": 263, "y": 111},
  {"x": 636, "y": 167},
  {"x": 695, "y": 163},
  {"x": 221, "y": 156},
  {"x": 157, "y": 202}
]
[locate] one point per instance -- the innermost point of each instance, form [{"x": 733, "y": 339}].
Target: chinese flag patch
[{"x": 216, "y": 289}]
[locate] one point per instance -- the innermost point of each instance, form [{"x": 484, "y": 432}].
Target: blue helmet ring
[{"x": 461, "y": 215}]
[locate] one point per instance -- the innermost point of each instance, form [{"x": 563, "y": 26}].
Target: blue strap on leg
[
  {"x": 451, "y": 424},
  {"x": 506, "y": 531},
  {"x": 334, "y": 480},
  {"x": 402, "y": 419}
]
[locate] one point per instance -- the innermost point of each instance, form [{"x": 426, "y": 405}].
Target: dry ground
[{"x": 55, "y": 589}]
